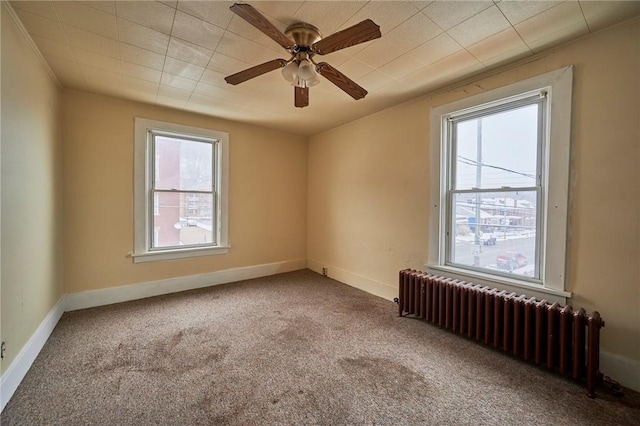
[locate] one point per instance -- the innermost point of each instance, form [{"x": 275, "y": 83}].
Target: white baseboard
[
  {"x": 21, "y": 364},
  {"x": 623, "y": 370},
  {"x": 369, "y": 285},
  {"x": 107, "y": 296}
]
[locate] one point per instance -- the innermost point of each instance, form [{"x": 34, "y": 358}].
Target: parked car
[
  {"x": 510, "y": 261},
  {"x": 488, "y": 239}
]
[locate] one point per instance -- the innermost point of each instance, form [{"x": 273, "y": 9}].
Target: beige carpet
[{"x": 295, "y": 348}]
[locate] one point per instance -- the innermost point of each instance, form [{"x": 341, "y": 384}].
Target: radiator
[{"x": 552, "y": 335}]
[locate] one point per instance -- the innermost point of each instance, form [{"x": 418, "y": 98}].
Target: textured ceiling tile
[
  {"x": 175, "y": 93},
  {"x": 140, "y": 56},
  {"x": 151, "y": 14},
  {"x": 279, "y": 10},
  {"x": 100, "y": 77},
  {"x": 54, "y": 48},
  {"x": 242, "y": 49},
  {"x": 518, "y": 11},
  {"x": 379, "y": 53},
  {"x": 497, "y": 45},
  {"x": 178, "y": 82},
  {"x": 459, "y": 65},
  {"x": 564, "y": 34},
  {"x": 41, "y": 8},
  {"x": 435, "y": 49},
  {"x": 189, "y": 52},
  {"x": 355, "y": 69},
  {"x": 92, "y": 42},
  {"x": 402, "y": 66},
  {"x": 214, "y": 12},
  {"x": 87, "y": 18},
  {"x": 182, "y": 69},
  {"x": 325, "y": 16},
  {"x": 96, "y": 60},
  {"x": 413, "y": 32},
  {"x": 130, "y": 82},
  {"x": 448, "y": 14},
  {"x": 196, "y": 31},
  {"x": 170, "y": 102},
  {"x": 486, "y": 23},
  {"x": 421, "y": 4},
  {"x": 226, "y": 64},
  {"x": 386, "y": 14},
  {"x": 375, "y": 80},
  {"x": 105, "y": 6},
  {"x": 138, "y": 95},
  {"x": 172, "y": 3},
  {"x": 141, "y": 72},
  {"x": 137, "y": 35},
  {"x": 544, "y": 25},
  {"x": 600, "y": 14},
  {"x": 43, "y": 27},
  {"x": 214, "y": 78},
  {"x": 242, "y": 28},
  {"x": 63, "y": 67},
  {"x": 221, "y": 93}
]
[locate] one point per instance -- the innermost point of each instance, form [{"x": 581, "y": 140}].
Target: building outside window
[
  {"x": 180, "y": 191},
  {"x": 499, "y": 193}
]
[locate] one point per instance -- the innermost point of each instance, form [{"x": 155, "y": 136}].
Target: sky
[{"x": 509, "y": 141}]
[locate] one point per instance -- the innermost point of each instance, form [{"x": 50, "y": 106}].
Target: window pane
[
  {"x": 497, "y": 150},
  {"x": 182, "y": 164},
  {"x": 497, "y": 233},
  {"x": 183, "y": 219}
]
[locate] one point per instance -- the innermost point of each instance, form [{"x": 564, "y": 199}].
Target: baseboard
[
  {"x": 369, "y": 285},
  {"x": 623, "y": 370},
  {"x": 21, "y": 364},
  {"x": 108, "y": 296}
]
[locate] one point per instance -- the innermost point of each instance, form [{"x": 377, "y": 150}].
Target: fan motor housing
[{"x": 303, "y": 34}]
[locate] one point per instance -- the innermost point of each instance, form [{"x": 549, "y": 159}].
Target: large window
[
  {"x": 501, "y": 187},
  {"x": 180, "y": 191}
]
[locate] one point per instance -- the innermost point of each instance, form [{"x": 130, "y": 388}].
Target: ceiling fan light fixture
[
  {"x": 305, "y": 70},
  {"x": 290, "y": 72}
]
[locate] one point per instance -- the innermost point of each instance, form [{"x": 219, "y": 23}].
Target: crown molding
[{"x": 30, "y": 41}]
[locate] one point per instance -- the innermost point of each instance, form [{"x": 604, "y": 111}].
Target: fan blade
[
  {"x": 301, "y": 96},
  {"x": 255, "y": 18},
  {"x": 364, "y": 31},
  {"x": 341, "y": 80},
  {"x": 256, "y": 71}
]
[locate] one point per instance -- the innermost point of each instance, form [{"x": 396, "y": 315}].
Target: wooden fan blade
[
  {"x": 253, "y": 72},
  {"x": 301, "y": 96},
  {"x": 364, "y": 31},
  {"x": 255, "y": 18},
  {"x": 341, "y": 80}
]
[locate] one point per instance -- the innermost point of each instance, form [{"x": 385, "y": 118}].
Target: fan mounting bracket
[{"x": 303, "y": 34}]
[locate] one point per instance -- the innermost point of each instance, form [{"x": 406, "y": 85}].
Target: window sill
[
  {"x": 502, "y": 283},
  {"x": 153, "y": 256}
]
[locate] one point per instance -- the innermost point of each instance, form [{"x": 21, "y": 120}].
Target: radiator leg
[{"x": 594, "y": 323}]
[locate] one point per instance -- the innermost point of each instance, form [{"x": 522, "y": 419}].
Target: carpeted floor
[{"x": 295, "y": 348}]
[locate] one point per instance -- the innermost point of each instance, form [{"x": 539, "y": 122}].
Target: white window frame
[
  {"x": 143, "y": 210},
  {"x": 555, "y": 168}
]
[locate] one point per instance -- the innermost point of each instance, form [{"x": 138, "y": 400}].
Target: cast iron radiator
[{"x": 556, "y": 336}]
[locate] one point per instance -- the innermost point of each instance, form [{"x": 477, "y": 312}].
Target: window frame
[
  {"x": 144, "y": 167},
  {"x": 554, "y": 167}
]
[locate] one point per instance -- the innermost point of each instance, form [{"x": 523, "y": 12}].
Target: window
[
  {"x": 500, "y": 193},
  {"x": 180, "y": 204}
]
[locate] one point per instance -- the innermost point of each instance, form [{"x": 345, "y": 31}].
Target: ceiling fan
[{"x": 303, "y": 41}]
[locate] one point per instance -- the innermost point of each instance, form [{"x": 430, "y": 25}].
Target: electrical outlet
[
  {"x": 3, "y": 348},
  {"x": 324, "y": 272}
]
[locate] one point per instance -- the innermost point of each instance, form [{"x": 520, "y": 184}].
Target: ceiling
[{"x": 177, "y": 53}]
